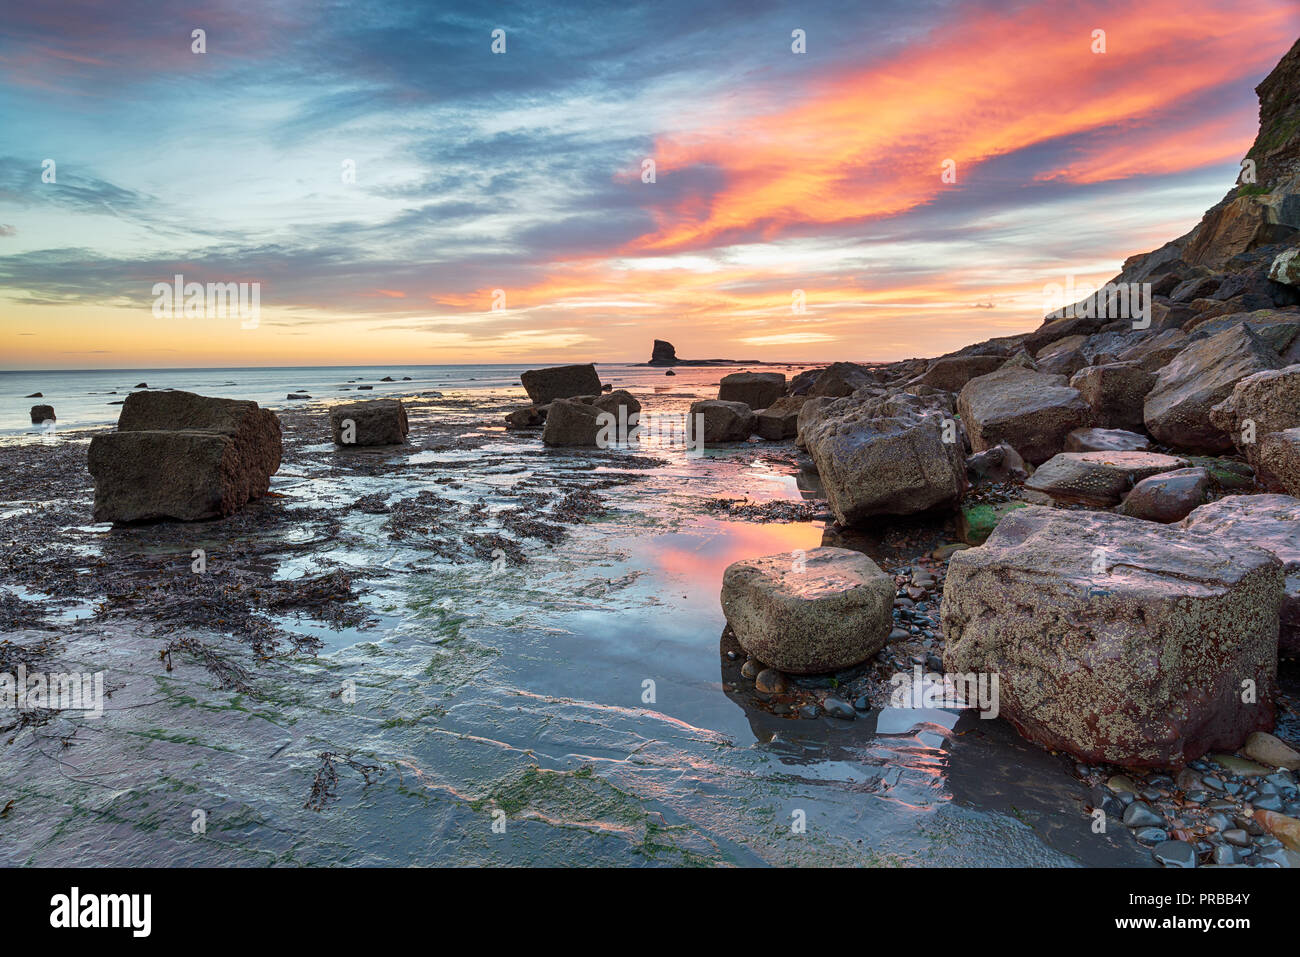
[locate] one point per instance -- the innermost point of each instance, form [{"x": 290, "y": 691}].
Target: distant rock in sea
[{"x": 665, "y": 354}]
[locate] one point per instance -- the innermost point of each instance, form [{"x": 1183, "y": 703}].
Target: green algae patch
[{"x": 978, "y": 521}]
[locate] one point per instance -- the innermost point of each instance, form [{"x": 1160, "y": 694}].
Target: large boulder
[
  {"x": 723, "y": 421},
  {"x": 1269, "y": 522},
  {"x": 1115, "y": 393},
  {"x": 1177, "y": 409},
  {"x": 1031, "y": 411},
  {"x": 373, "y": 422},
  {"x": 1098, "y": 478},
  {"x": 572, "y": 422},
  {"x": 952, "y": 372},
  {"x": 42, "y": 414},
  {"x": 1114, "y": 639},
  {"x": 780, "y": 420},
  {"x": 1278, "y": 469},
  {"x": 177, "y": 455},
  {"x": 887, "y": 457},
  {"x": 757, "y": 390},
  {"x": 1259, "y": 404},
  {"x": 808, "y": 613},
  {"x": 184, "y": 475},
  {"x": 560, "y": 382},
  {"x": 841, "y": 379}
]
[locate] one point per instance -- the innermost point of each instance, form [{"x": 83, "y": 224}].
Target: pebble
[
  {"x": 808, "y": 711},
  {"x": 837, "y": 708},
  {"x": 1268, "y": 802},
  {"x": 1150, "y": 836},
  {"x": 1237, "y": 837},
  {"x": 1225, "y": 855},
  {"x": 898, "y": 634},
  {"x": 770, "y": 681},
  {"x": 1175, "y": 854},
  {"x": 751, "y": 668},
  {"x": 1138, "y": 814},
  {"x": 863, "y": 703}
]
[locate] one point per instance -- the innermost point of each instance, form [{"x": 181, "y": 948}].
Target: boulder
[
  {"x": 1031, "y": 411},
  {"x": 1279, "y": 461},
  {"x": 809, "y": 613},
  {"x": 373, "y": 422},
  {"x": 1260, "y": 521},
  {"x": 1115, "y": 393},
  {"x": 42, "y": 414},
  {"x": 780, "y": 420},
  {"x": 663, "y": 353},
  {"x": 1168, "y": 497},
  {"x": 560, "y": 382},
  {"x": 572, "y": 422},
  {"x": 1153, "y": 352},
  {"x": 1117, "y": 640},
  {"x": 723, "y": 421},
  {"x": 1098, "y": 478},
  {"x": 618, "y": 403},
  {"x": 177, "y": 455},
  {"x": 1001, "y": 463},
  {"x": 835, "y": 381},
  {"x": 526, "y": 417},
  {"x": 186, "y": 475},
  {"x": 1259, "y": 404},
  {"x": 757, "y": 390},
  {"x": 952, "y": 372},
  {"x": 1106, "y": 440},
  {"x": 1177, "y": 409},
  {"x": 887, "y": 457}
]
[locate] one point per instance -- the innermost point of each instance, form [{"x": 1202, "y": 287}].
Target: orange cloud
[{"x": 871, "y": 143}]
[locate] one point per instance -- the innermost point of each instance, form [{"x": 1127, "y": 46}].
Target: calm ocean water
[{"x": 85, "y": 398}]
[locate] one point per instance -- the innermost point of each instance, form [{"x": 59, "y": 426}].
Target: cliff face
[{"x": 1252, "y": 216}]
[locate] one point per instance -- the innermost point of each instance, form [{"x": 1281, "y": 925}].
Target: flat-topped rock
[
  {"x": 1270, "y": 522},
  {"x": 183, "y": 475},
  {"x": 42, "y": 414},
  {"x": 560, "y": 382},
  {"x": 723, "y": 421},
  {"x": 572, "y": 422},
  {"x": 1031, "y": 411},
  {"x": 1114, "y": 639},
  {"x": 178, "y": 455},
  {"x": 1106, "y": 440},
  {"x": 780, "y": 420},
  {"x": 757, "y": 390},
  {"x": 1098, "y": 478},
  {"x": 373, "y": 422},
  {"x": 809, "y": 612}
]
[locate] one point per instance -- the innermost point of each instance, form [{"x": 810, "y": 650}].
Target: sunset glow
[{"x": 499, "y": 211}]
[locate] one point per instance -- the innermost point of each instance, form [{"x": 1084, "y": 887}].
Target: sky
[{"x": 867, "y": 180}]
